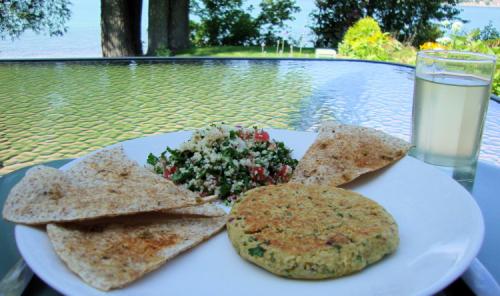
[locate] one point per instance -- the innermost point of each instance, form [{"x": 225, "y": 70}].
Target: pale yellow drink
[
  {"x": 448, "y": 118},
  {"x": 450, "y": 101}
]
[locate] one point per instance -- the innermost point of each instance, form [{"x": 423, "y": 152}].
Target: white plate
[{"x": 441, "y": 230}]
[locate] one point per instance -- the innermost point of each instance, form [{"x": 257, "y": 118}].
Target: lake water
[{"x": 83, "y": 36}]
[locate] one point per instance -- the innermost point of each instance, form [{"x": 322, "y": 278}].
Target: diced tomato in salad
[
  {"x": 258, "y": 174},
  {"x": 285, "y": 173},
  {"x": 169, "y": 171},
  {"x": 261, "y": 136}
]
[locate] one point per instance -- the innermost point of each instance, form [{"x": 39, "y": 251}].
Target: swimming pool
[{"x": 54, "y": 109}]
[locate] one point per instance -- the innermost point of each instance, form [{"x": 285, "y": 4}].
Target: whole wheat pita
[
  {"x": 96, "y": 187},
  {"x": 208, "y": 209},
  {"x": 342, "y": 153},
  {"x": 114, "y": 254}
]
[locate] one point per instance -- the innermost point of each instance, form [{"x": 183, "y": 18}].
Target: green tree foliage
[
  {"x": 227, "y": 22},
  {"x": 49, "y": 16},
  {"x": 489, "y": 32},
  {"x": 415, "y": 21},
  {"x": 222, "y": 22},
  {"x": 407, "y": 20},
  {"x": 272, "y": 18},
  {"x": 332, "y": 19}
]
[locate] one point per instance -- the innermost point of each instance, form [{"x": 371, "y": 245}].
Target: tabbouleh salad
[{"x": 226, "y": 161}]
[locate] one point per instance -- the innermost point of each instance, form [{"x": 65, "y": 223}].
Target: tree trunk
[
  {"x": 178, "y": 33},
  {"x": 158, "y": 12},
  {"x": 135, "y": 16},
  {"x": 370, "y": 8},
  {"x": 120, "y": 28}
]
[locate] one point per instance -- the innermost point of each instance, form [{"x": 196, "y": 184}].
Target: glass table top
[{"x": 54, "y": 110}]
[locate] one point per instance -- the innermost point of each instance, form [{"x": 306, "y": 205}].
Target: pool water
[{"x": 53, "y": 110}]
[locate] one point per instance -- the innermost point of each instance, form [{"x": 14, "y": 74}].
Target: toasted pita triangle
[
  {"x": 342, "y": 153},
  {"x": 202, "y": 210},
  {"x": 104, "y": 184},
  {"x": 114, "y": 254},
  {"x": 113, "y": 166}
]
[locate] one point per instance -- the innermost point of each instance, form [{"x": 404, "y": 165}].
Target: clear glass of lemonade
[{"x": 450, "y": 101}]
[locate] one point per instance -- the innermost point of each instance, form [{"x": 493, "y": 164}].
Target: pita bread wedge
[
  {"x": 112, "y": 255},
  {"x": 202, "y": 210},
  {"x": 48, "y": 195},
  {"x": 113, "y": 166},
  {"x": 342, "y": 153}
]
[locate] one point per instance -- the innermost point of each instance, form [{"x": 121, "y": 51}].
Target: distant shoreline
[{"x": 474, "y": 4}]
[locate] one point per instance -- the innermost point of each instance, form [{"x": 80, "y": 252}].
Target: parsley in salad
[{"x": 226, "y": 161}]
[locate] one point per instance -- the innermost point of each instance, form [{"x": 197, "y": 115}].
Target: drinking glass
[{"x": 450, "y": 101}]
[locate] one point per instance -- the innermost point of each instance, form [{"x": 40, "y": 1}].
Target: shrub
[
  {"x": 365, "y": 40},
  {"x": 472, "y": 41},
  {"x": 432, "y": 46}
]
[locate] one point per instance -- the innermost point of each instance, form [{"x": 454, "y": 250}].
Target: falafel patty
[{"x": 310, "y": 232}]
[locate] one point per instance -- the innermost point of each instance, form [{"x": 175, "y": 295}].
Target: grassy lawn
[
  {"x": 246, "y": 52},
  {"x": 405, "y": 56}
]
